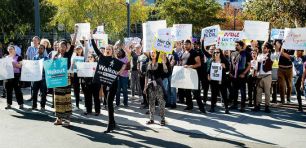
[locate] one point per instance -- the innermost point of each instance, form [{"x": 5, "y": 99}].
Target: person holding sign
[
  {"x": 217, "y": 68},
  {"x": 240, "y": 67},
  {"x": 154, "y": 86},
  {"x": 40, "y": 85},
  {"x": 14, "y": 83},
  {"x": 107, "y": 72},
  {"x": 62, "y": 99}
]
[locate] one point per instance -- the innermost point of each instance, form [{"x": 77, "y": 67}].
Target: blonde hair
[{"x": 45, "y": 40}]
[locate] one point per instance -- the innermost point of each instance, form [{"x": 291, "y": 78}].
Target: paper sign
[
  {"x": 100, "y": 30},
  {"x": 74, "y": 61},
  {"x": 295, "y": 39},
  {"x": 227, "y": 39},
  {"x": 256, "y": 30},
  {"x": 56, "y": 72},
  {"x": 31, "y": 70},
  {"x": 182, "y": 31},
  {"x": 132, "y": 40},
  {"x": 216, "y": 71},
  {"x": 83, "y": 30},
  {"x": 86, "y": 69},
  {"x": 101, "y": 40},
  {"x": 277, "y": 34},
  {"x": 210, "y": 35},
  {"x": 150, "y": 30},
  {"x": 6, "y": 68},
  {"x": 186, "y": 78},
  {"x": 163, "y": 45}
]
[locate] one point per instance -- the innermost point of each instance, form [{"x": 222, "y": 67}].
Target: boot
[
  {"x": 267, "y": 110},
  {"x": 256, "y": 108}
]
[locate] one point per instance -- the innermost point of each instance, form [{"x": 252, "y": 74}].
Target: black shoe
[
  {"x": 188, "y": 108},
  {"x": 3, "y": 96},
  {"x": 234, "y": 107},
  {"x": 273, "y": 101},
  {"x": 267, "y": 110},
  {"x": 288, "y": 101},
  {"x": 256, "y": 109},
  {"x": 227, "y": 111},
  {"x": 110, "y": 128},
  {"x": 8, "y": 107},
  {"x": 167, "y": 105},
  {"x": 300, "y": 109},
  {"x": 173, "y": 106},
  {"x": 211, "y": 110},
  {"x": 242, "y": 110},
  {"x": 203, "y": 111},
  {"x": 250, "y": 105},
  {"x": 34, "y": 108}
]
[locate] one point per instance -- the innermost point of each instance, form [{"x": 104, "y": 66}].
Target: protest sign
[
  {"x": 295, "y": 39},
  {"x": 165, "y": 45},
  {"x": 86, "y": 69},
  {"x": 101, "y": 40},
  {"x": 256, "y": 30},
  {"x": 6, "y": 68},
  {"x": 216, "y": 71},
  {"x": 100, "y": 30},
  {"x": 210, "y": 35},
  {"x": 74, "y": 61},
  {"x": 150, "y": 29},
  {"x": 132, "y": 40},
  {"x": 31, "y": 70},
  {"x": 107, "y": 70},
  {"x": 277, "y": 34},
  {"x": 186, "y": 78},
  {"x": 83, "y": 30},
  {"x": 226, "y": 39},
  {"x": 56, "y": 72},
  {"x": 182, "y": 31}
]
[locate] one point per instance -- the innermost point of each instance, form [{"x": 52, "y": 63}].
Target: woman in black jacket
[{"x": 216, "y": 85}]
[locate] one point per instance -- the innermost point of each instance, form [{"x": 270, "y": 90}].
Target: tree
[
  {"x": 111, "y": 13},
  {"x": 199, "y": 13},
  {"x": 17, "y": 17},
  {"x": 232, "y": 16},
  {"x": 280, "y": 13}
]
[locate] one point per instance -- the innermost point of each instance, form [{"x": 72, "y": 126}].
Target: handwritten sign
[
  {"x": 74, "y": 61},
  {"x": 6, "y": 68},
  {"x": 101, "y": 40},
  {"x": 210, "y": 35},
  {"x": 86, "y": 69},
  {"x": 277, "y": 34},
  {"x": 83, "y": 30},
  {"x": 256, "y": 30},
  {"x": 56, "y": 72},
  {"x": 163, "y": 45},
  {"x": 150, "y": 30},
  {"x": 295, "y": 39},
  {"x": 186, "y": 78},
  {"x": 227, "y": 39},
  {"x": 182, "y": 31},
  {"x": 216, "y": 71},
  {"x": 31, "y": 70}
]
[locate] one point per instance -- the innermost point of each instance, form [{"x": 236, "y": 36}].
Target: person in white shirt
[{"x": 264, "y": 77}]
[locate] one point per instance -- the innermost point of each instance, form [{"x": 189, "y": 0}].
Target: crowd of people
[{"x": 251, "y": 69}]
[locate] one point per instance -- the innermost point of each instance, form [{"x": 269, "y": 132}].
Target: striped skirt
[{"x": 62, "y": 101}]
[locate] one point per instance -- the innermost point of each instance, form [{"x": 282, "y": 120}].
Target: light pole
[
  {"x": 235, "y": 13},
  {"x": 128, "y": 18},
  {"x": 37, "y": 18}
]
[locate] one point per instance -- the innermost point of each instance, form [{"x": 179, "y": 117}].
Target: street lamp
[
  {"x": 37, "y": 18},
  {"x": 128, "y": 18},
  {"x": 235, "y": 14}
]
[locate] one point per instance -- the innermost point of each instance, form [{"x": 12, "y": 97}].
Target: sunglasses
[
  {"x": 90, "y": 57},
  {"x": 216, "y": 52}
]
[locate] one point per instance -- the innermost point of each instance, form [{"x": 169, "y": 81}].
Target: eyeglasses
[
  {"x": 89, "y": 57},
  {"x": 216, "y": 52}
]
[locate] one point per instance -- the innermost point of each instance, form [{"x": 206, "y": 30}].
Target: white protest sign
[
  {"x": 226, "y": 39},
  {"x": 134, "y": 40},
  {"x": 100, "y": 30},
  {"x": 53, "y": 53},
  {"x": 256, "y": 30},
  {"x": 83, "y": 30},
  {"x": 210, "y": 35},
  {"x": 216, "y": 71},
  {"x": 150, "y": 30},
  {"x": 86, "y": 69},
  {"x": 277, "y": 34},
  {"x": 6, "y": 68},
  {"x": 295, "y": 38},
  {"x": 186, "y": 78},
  {"x": 101, "y": 40},
  {"x": 165, "y": 45},
  {"x": 182, "y": 31},
  {"x": 31, "y": 70}
]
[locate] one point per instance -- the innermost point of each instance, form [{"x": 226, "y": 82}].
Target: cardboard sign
[
  {"x": 107, "y": 70},
  {"x": 6, "y": 68},
  {"x": 256, "y": 30},
  {"x": 150, "y": 30},
  {"x": 86, "y": 69},
  {"x": 101, "y": 40},
  {"x": 295, "y": 39},
  {"x": 277, "y": 34},
  {"x": 210, "y": 35},
  {"x": 83, "y": 30},
  {"x": 74, "y": 61},
  {"x": 182, "y": 31},
  {"x": 100, "y": 30},
  {"x": 163, "y": 45},
  {"x": 56, "y": 72},
  {"x": 227, "y": 39},
  {"x": 31, "y": 70},
  {"x": 186, "y": 78},
  {"x": 216, "y": 71}
]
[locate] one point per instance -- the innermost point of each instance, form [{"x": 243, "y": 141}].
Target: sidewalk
[{"x": 283, "y": 127}]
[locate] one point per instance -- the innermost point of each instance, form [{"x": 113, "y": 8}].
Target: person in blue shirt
[{"x": 40, "y": 85}]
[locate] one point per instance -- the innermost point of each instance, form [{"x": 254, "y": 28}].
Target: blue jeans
[
  {"x": 172, "y": 93},
  {"x": 122, "y": 85},
  {"x": 166, "y": 86}
]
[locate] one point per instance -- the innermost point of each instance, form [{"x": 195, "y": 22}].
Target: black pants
[
  {"x": 205, "y": 86},
  {"x": 142, "y": 83},
  {"x": 239, "y": 84},
  {"x": 92, "y": 90},
  {"x": 181, "y": 95},
  {"x": 216, "y": 88},
  {"x": 39, "y": 85},
  {"x": 196, "y": 95},
  {"x": 298, "y": 91},
  {"x": 13, "y": 84},
  {"x": 109, "y": 94},
  {"x": 251, "y": 81},
  {"x": 76, "y": 89}
]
